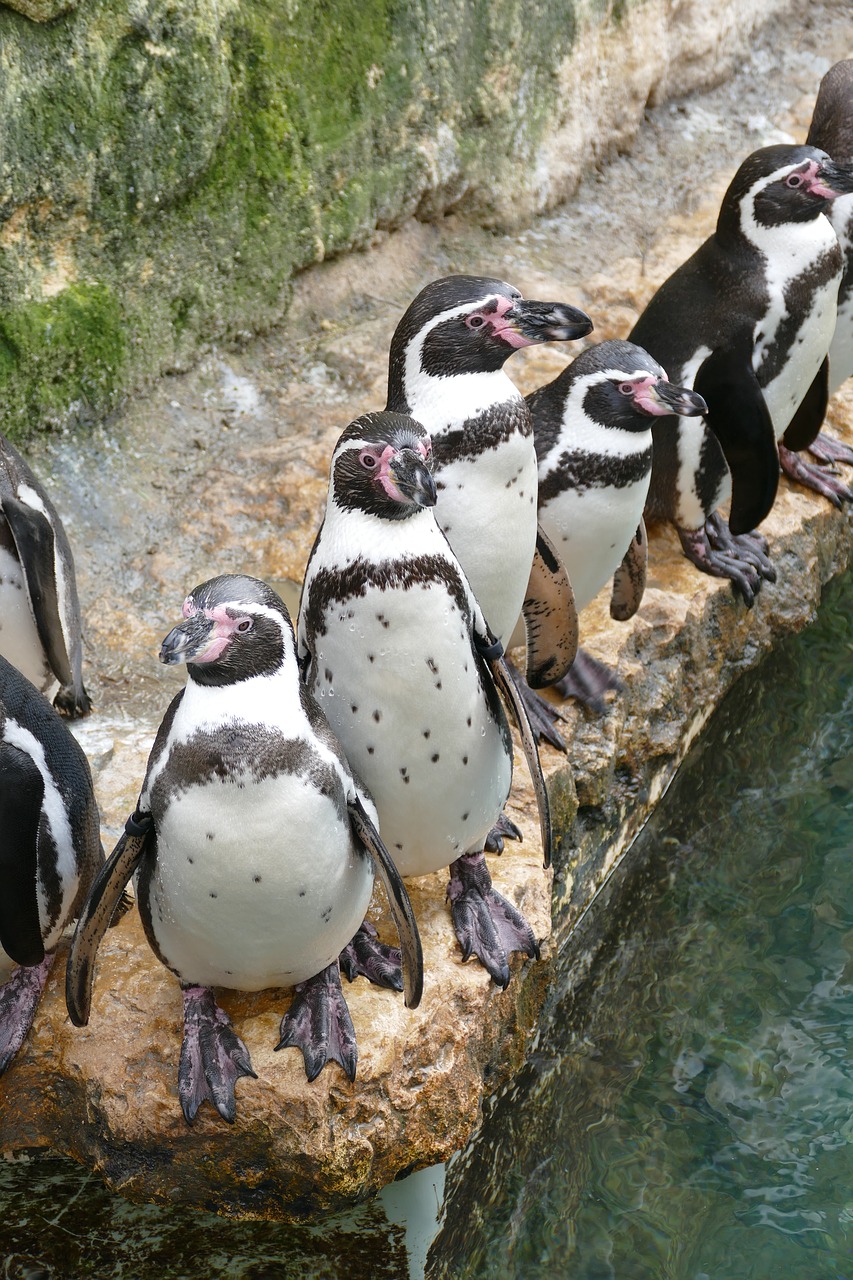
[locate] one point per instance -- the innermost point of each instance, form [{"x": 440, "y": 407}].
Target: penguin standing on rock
[
  {"x": 747, "y": 322},
  {"x": 831, "y": 130},
  {"x": 254, "y": 847},
  {"x": 593, "y": 431},
  {"x": 446, "y": 370},
  {"x": 40, "y": 630},
  {"x": 50, "y": 849},
  {"x": 396, "y": 650}
]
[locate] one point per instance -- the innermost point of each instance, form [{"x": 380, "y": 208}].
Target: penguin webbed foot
[
  {"x": 829, "y": 450},
  {"x": 588, "y": 680},
  {"x": 366, "y": 955},
  {"x": 741, "y": 559},
  {"x": 750, "y": 548},
  {"x": 817, "y": 478},
  {"x": 19, "y": 998},
  {"x": 213, "y": 1057},
  {"x": 504, "y": 829},
  {"x": 319, "y": 1023},
  {"x": 486, "y": 924},
  {"x": 542, "y": 714},
  {"x": 73, "y": 703}
]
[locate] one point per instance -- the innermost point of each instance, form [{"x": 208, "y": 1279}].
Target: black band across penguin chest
[
  {"x": 489, "y": 430},
  {"x": 582, "y": 471},
  {"x": 243, "y": 754}
]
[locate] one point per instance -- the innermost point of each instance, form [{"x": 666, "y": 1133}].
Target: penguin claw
[
  {"x": 735, "y": 564},
  {"x": 74, "y": 703},
  {"x": 213, "y": 1057},
  {"x": 827, "y": 449},
  {"x": 374, "y": 960},
  {"x": 19, "y": 999},
  {"x": 587, "y": 680},
  {"x": 541, "y": 713},
  {"x": 319, "y": 1023},
  {"x": 744, "y": 548},
  {"x": 486, "y": 924},
  {"x": 504, "y": 829},
  {"x": 817, "y": 478}
]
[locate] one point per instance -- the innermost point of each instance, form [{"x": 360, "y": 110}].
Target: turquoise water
[{"x": 688, "y": 1113}]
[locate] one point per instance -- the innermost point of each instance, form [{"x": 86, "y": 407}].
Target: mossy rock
[{"x": 167, "y": 166}]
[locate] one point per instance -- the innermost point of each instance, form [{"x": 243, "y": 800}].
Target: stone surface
[
  {"x": 225, "y": 469},
  {"x": 41, "y": 10},
  {"x": 168, "y": 167}
]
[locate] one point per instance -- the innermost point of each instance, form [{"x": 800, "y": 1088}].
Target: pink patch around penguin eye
[
  {"x": 188, "y": 608},
  {"x": 646, "y": 400},
  {"x": 500, "y": 325},
  {"x": 813, "y": 183}
]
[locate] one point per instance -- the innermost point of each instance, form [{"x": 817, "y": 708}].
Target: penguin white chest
[
  {"x": 592, "y": 529},
  {"x": 19, "y": 639},
  {"x": 793, "y": 337},
  {"x": 257, "y": 883},
  {"x": 401, "y": 687},
  {"x": 487, "y": 510}
]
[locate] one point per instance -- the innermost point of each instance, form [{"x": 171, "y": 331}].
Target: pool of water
[
  {"x": 688, "y": 1114},
  {"x": 688, "y": 1111}
]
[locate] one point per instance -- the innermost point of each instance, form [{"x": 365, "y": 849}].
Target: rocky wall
[{"x": 166, "y": 166}]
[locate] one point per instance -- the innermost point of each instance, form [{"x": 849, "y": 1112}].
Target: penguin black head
[
  {"x": 831, "y": 128},
  {"x": 382, "y": 465},
  {"x": 235, "y": 627},
  {"x": 623, "y": 387},
  {"x": 778, "y": 185},
  {"x": 472, "y": 324}
]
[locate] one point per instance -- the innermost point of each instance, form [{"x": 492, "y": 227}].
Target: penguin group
[{"x": 374, "y": 738}]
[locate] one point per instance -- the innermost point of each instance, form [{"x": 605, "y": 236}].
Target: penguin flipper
[
  {"x": 398, "y": 900},
  {"x": 106, "y": 894},
  {"x": 21, "y": 795},
  {"x": 508, "y": 690},
  {"x": 804, "y": 427},
  {"x": 629, "y": 580},
  {"x": 550, "y": 617},
  {"x": 739, "y": 418},
  {"x": 36, "y": 547}
]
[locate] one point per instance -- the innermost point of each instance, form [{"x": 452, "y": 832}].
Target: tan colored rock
[{"x": 151, "y": 514}]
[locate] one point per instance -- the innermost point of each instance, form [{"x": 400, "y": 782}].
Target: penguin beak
[
  {"x": 658, "y": 398},
  {"x": 832, "y": 180},
  {"x": 413, "y": 478},
  {"x": 547, "y": 322},
  {"x": 189, "y": 640}
]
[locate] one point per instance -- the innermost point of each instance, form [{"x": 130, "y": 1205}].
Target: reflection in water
[{"x": 688, "y": 1113}]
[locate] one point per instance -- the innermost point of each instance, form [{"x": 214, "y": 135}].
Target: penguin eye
[
  {"x": 245, "y": 624},
  {"x": 626, "y": 388},
  {"x": 794, "y": 180},
  {"x": 475, "y": 322},
  {"x": 368, "y": 460}
]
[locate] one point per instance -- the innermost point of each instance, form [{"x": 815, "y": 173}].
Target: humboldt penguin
[
  {"x": 253, "y": 844},
  {"x": 50, "y": 850},
  {"x": 446, "y": 370},
  {"x": 40, "y": 629},
  {"x": 831, "y": 130},
  {"x": 747, "y": 322},
  {"x": 395, "y": 648},
  {"x": 593, "y": 432}
]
